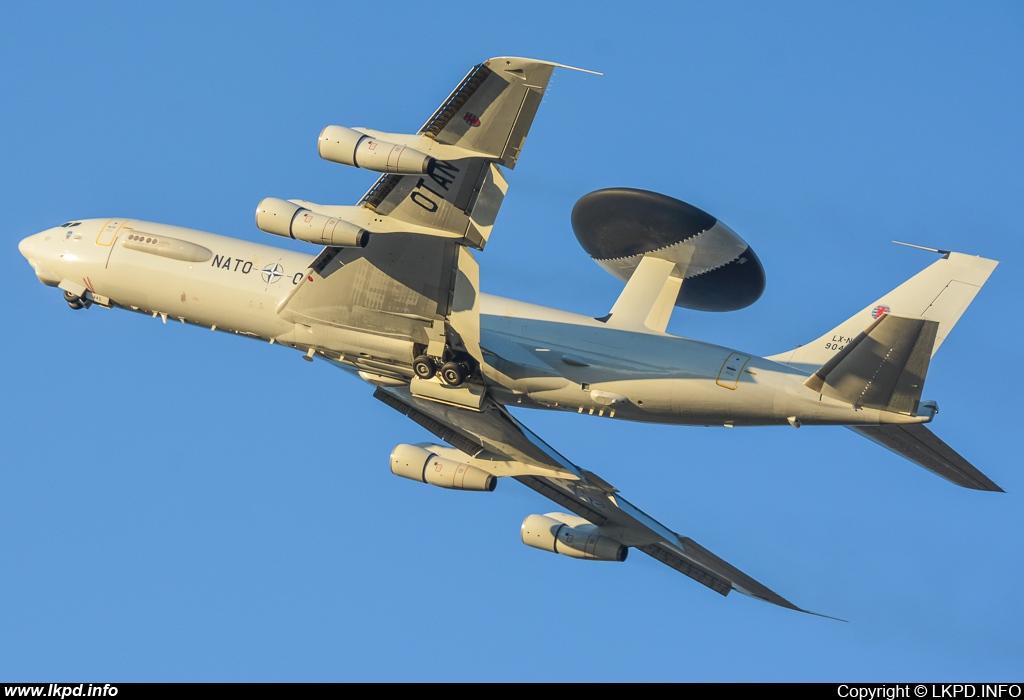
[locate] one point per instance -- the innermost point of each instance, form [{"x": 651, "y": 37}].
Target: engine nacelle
[
  {"x": 283, "y": 218},
  {"x": 414, "y": 462},
  {"x": 572, "y": 536},
  {"x": 340, "y": 144}
]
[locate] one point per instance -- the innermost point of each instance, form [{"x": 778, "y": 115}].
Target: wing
[
  {"x": 492, "y": 435},
  {"x": 406, "y": 286}
]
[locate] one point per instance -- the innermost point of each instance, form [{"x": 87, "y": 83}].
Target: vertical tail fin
[{"x": 941, "y": 292}]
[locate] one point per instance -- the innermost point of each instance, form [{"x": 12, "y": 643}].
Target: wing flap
[
  {"x": 697, "y": 573},
  {"x": 740, "y": 581},
  {"x": 394, "y": 288}
]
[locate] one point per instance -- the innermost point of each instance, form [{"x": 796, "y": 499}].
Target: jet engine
[
  {"x": 716, "y": 269},
  {"x": 414, "y": 462},
  {"x": 284, "y": 218},
  {"x": 340, "y": 144},
  {"x": 572, "y": 536}
]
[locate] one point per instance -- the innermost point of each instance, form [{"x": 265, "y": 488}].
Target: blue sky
[{"x": 183, "y": 505}]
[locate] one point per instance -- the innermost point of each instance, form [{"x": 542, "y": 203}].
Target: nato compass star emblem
[{"x": 273, "y": 273}]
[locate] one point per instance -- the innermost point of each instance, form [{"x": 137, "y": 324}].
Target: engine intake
[
  {"x": 284, "y": 218},
  {"x": 414, "y": 462},
  {"x": 340, "y": 144},
  {"x": 566, "y": 534}
]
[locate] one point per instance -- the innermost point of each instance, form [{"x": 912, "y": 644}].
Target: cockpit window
[{"x": 70, "y": 224}]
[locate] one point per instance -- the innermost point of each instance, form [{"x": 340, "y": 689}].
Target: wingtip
[
  {"x": 818, "y": 614},
  {"x": 981, "y": 484},
  {"x": 550, "y": 63},
  {"x": 783, "y": 603}
]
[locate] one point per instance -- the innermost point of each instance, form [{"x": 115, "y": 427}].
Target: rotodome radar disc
[{"x": 619, "y": 226}]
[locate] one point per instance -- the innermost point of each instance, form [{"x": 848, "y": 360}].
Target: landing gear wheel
[
  {"x": 453, "y": 373},
  {"x": 424, "y": 367},
  {"x": 74, "y": 301}
]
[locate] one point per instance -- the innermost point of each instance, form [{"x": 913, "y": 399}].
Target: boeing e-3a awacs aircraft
[{"x": 394, "y": 295}]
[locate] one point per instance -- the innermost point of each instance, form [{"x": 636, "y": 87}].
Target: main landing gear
[
  {"x": 424, "y": 366},
  {"x": 453, "y": 372}
]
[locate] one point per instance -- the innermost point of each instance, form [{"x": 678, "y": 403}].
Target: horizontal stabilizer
[
  {"x": 884, "y": 367},
  {"x": 922, "y": 447}
]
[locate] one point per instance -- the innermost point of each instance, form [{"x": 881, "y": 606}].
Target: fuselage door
[
  {"x": 729, "y": 375},
  {"x": 109, "y": 231}
]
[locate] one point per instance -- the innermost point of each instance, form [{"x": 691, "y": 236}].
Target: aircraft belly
[
  {"x": 197, "y": 300},
  {"x": 551, "y": 362},
  {"x": 597, "y": 370}
]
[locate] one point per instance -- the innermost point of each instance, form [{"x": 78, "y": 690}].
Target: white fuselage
[{"x": 534, "y": 356}]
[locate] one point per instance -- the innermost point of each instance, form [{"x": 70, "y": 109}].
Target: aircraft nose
[
  {"x": 25, "y": 247},
  {"x": 31, "y": 247}
]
